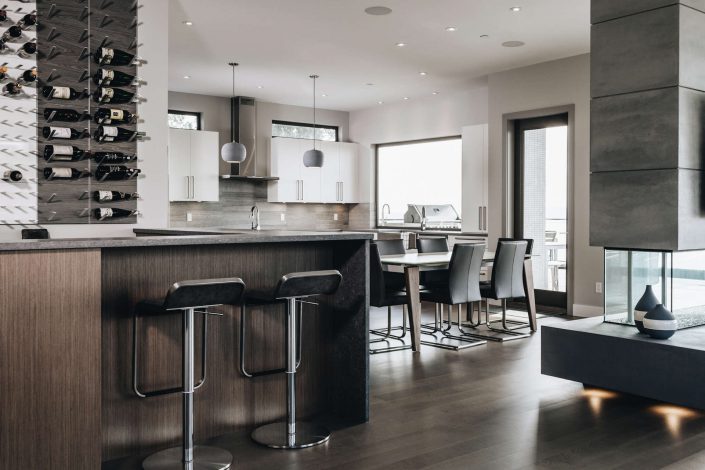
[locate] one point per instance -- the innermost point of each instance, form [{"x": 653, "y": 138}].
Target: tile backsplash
[{"x": 236, "y": 201}]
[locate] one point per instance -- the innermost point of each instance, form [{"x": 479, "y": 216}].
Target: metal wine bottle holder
[{"x": 71, "y": 32}]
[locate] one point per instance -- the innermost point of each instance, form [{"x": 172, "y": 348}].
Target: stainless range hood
[{"x": 243, "y": 119}]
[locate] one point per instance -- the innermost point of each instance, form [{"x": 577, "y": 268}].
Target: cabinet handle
[
  {"x": 298, "y": 191},
  {"x": 193, "y": 187},
  {"x": 484, "y": 218},
  {"x": 342, "y": 191},
  {"x": 188, "y": 187},
  {"x": 479, "y": 218},
  {"x": 302, "y": 190}
]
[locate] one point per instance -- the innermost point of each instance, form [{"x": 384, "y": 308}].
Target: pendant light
[
  {"x": 233, "y": 152},
  {"x": 313, "y": 158}
]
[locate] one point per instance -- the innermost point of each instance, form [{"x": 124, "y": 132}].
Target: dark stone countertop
[{"x": 185, "y": 237}]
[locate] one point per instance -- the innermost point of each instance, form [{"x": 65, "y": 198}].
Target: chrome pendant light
[
  {"x": 313, "y": 158},
  {"x": 233, "y": 152}
]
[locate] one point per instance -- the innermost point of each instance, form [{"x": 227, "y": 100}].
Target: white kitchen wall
[
  {"x": 153, "y": 42},
  {"x": 425, "y": 118},
  {"x": 557, "y": 83}
]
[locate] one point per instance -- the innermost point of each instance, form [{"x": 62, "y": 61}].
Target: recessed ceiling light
[
  {"x": 436, "y": 92},
  {"x": 260, "y": 87},
  {"x": 423, "y": 74},
  {"x": 186, "y": 77},
  {"x": 324, "y": 95},
  {"x": 406, "y": 98},
  {"x": 188, "y": 23},
  {"x": 451, "y": 29},
  {"x": 515, "y": 9},
  {"x": 378, "y": 11},
  {"x": 400, "y": 44},
  {"x": 380, "y": 102},
  {"x": 513, "y": 44}
]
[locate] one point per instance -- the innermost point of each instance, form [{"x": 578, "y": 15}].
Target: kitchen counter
[
  {"x": 67, "y": 325},
  {"x": 183, "y": 237}
]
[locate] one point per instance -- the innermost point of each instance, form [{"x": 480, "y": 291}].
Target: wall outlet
[
  {"x": 283, "y": 217},
  {"x": 598, "y": 288},
  {"x": 189, "y": 217},
  {"x": 335, "y": 216}
]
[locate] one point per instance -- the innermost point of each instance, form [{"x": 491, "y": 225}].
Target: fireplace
[{"x": 677, "y": 279}]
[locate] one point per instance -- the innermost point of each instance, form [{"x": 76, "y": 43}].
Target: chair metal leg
[
  {"x": 445, "y": 333},
  {"x": 290, "y": 434},
  {"x": 513, "y": 334},
  {"x": 188, "y": 456},
  {"x": 388, "y": 336}
]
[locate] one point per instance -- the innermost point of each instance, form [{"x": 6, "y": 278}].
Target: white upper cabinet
[
  {"x": 475, "y": 178},
  {"x": 335, "y": 183},
  {"x": 193, "y": 165}
]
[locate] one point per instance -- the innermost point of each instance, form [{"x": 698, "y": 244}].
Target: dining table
[{"x": 414, "y": 263}]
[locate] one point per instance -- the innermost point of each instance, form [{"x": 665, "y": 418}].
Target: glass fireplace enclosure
[{"x": 677, "y": 279}]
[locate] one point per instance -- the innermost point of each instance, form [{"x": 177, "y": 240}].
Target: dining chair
[
  {"x": 462, "y": 287},
  {"x": 387, "y": 289},
  {"x": 507, "y": 282}
]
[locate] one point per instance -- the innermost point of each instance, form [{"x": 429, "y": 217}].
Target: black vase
[
  {"x": 647, "y": 302},
  {"x": 659, "y": 323}
]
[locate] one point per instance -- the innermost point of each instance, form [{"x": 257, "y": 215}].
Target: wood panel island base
[{"x": 66, "y": 326}]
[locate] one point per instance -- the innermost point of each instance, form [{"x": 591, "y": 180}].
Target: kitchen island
[{"x": 65, "y": 354}]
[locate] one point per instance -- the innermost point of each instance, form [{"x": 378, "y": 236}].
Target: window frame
[
  {"x": 305, "y": 124},
  {"x": 199, "y": 121},
  {"x": 394, "y": 144}
]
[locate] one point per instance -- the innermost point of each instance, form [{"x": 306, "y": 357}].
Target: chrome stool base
[
  {"x": 276, "y": 435},
  {"x": 204, "y": 458}
]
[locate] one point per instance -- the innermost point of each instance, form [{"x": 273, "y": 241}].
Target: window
[
  {"x": 184, "y": 120},
  {"x": 423, "y": 172},
  {"x": 299, "y": 130}
]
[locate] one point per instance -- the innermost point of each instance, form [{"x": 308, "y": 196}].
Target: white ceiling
[{"x": 279, "y": 43}]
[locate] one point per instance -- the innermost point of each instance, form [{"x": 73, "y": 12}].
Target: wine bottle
[
  {"x": 51, "y": 132},
  {"x": 3, "y": 15},
  {"x": 115, "y": 134},
  {"x": 61, "y": 92},
  {"x": 12, "y": 176},
  {"x": 29, "y": 76},
  {"x": 111, "y": 196},
  {"x": 112, "y": 213},
  {"x": 12, "y": 88},
  {"x": 115, "y": 172},
  {"x": 27, "y": 50},
  {"x": 63, "y": 173},
  {"x": 112, "y": 158},
  {"x": 114, "y": 116},
  {"x": 112, "y": 95},
  {"x": 109, "y": 56},
  {"x": 106, "y": 77},
  {"x": 3, "y": 72},
  {"x": 12, "y": 33},
  {"x": 63, "y": 153},
  {"x": 27, "y": 20},
  {"x": 64, "y": 115}
]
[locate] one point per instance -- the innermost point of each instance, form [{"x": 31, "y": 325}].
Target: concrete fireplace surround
[{"x": 647, "y": 159}]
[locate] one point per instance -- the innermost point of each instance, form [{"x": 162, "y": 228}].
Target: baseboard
[{"x": 587, "y": 311}]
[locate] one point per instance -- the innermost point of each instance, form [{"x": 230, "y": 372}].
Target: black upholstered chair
[
  {"x": 463, "y": 287},
  {"x": 507, "y": 282},
  {"x": 433, "y": 245},
  {"x": 387, "y": 289},
  {"x": 187, "y": 298},
  {"x": 291, "y": 290}
]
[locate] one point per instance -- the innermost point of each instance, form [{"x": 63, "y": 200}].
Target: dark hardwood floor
[{"x": 489, "y": 407}]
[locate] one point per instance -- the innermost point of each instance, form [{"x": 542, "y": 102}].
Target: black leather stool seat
[
  {"x": 298, "y": 285},
  {"x": 195, "y": 294}
]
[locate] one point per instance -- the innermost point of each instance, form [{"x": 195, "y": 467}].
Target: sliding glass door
[{"x": 541, "y": 202}]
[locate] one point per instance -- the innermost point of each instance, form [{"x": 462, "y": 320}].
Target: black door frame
[{"x": 543, "y": 297}]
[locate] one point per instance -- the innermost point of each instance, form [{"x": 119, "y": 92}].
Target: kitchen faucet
[
  {"x": 424, "y": 221},
  {"x": 389, "y": 212},
  {"x": 254, "y": 215}
]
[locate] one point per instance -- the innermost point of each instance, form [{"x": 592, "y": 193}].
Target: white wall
[
  {"x": 153, "y": 186},
  {"x": 443, "y": 115},
  {"x": 556, "y": 83}
]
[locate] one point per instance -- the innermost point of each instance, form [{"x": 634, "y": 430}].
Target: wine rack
[
  {"x": 18, "y": 123},
  {"x": 69, "y": 33}
]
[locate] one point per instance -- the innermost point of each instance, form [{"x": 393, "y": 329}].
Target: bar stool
[
  {"x": 187, "y": 297},
  {"x": 292, "y": 289}
]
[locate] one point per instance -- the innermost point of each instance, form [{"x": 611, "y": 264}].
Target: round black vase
[
  {"x": 646, "y": 303},
  {"x": 660, "y": 323}
]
